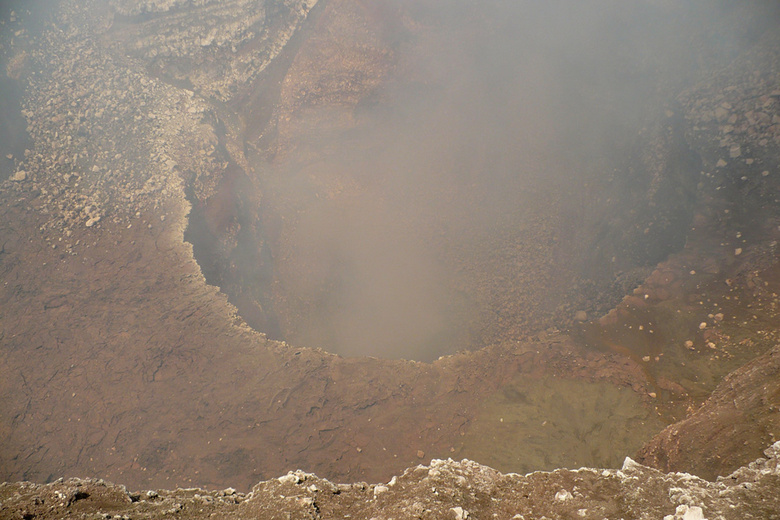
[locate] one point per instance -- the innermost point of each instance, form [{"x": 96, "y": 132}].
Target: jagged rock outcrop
[
  {"x": 218, "y": 48},
  {"x": 442, "y": 489},
  {"x": 740, "y": 417}
]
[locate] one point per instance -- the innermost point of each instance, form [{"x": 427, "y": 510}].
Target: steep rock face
[
  {"x": 391, "y": 135},
  {"x": 740, "y": 417},
  {"x": 443, "y": 489},
  {"x": 733, "y": 119},
  {"x": 217, "y": 48}
]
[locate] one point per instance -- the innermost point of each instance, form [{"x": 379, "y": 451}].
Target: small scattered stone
[
  {"x": 738, "y": 251},
  {"x": 703, "y": 325}
]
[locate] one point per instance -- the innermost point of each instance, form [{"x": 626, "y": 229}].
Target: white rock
[
  {"x": 460, "y": 513},
  {"x": 290, "y": 478},
  {"x": 19, "y": 176},
  {"x": 630, "y": 464},
  {"x": 684, "y": 512}
]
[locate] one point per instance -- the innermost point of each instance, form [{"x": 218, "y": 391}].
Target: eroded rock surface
[
  {"x": 442, "y": 489},
  {"x": 737, "y": 420}
]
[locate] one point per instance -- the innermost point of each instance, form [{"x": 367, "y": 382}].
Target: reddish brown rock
[{"x": 730, "y": 429}]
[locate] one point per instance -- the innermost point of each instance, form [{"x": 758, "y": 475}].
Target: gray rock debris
[{"x": 110, "y": 142}]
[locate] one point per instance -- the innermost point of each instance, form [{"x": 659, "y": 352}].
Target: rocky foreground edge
[{"x": 444, "y": 489}]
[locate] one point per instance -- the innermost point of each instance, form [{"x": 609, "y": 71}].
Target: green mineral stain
[{"x": 541, "y": 424}]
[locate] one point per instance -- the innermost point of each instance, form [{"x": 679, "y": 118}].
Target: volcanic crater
[{"x": 353, "y": 236}]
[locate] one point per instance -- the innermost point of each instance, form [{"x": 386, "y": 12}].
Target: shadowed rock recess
[{"x": 249, "y": 238}]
